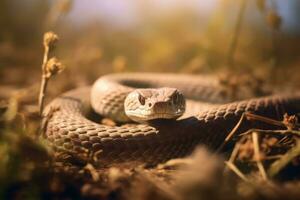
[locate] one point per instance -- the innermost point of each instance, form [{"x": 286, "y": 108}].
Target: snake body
[{"x": 69, "y": 130}]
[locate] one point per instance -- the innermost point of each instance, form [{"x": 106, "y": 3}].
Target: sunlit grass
[{"x": 175, "y": 43}]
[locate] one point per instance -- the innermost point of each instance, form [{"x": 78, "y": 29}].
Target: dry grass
[{"x": 263, "y": 164}]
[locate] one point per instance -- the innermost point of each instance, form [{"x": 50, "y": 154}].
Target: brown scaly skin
[{"x": 69, "y": 130}]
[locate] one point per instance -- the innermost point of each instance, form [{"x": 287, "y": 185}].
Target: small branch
[
  {"x": 45, "y": 79},
  {"x": 236, "y": 171},
  {"x": 45, "y": 58},
  {"x": 232, "y": 132},
  {"x": 250, "y": 116},
  {"x": 273, "y": 132},
  {"x": 42, "y": 93},
  {"x": 235, "y": 152},
  {"x": 257, "y": 156},
  {"x": 274, "y": 157},
  {"x": 278, "y": 165},
  {"x": 49, "y": 39},
  {"x": 267, "y": 120},
  {"x": 50, "y": 67}
]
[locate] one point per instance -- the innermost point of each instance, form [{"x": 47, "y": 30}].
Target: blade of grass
[
  {"x": 278, "y": 165},
  {"x": 257, "y": 156}
]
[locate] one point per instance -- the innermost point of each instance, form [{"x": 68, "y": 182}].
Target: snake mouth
[{"x": 147, "y": 116}]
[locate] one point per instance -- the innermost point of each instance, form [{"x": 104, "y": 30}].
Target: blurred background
[
  {"x": 258, "y": 39},
  {"x": 194, "y": 36}
]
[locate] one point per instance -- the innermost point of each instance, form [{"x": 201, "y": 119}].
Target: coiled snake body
[{"x": 68, "y": 129}]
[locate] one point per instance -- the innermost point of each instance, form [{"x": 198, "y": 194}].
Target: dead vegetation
[{"x": 263, "y": 164}]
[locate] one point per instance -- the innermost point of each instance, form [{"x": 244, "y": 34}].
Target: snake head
[{"x": 149, "y": 104}]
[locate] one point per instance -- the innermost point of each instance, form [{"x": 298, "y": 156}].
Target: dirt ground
[{"x": 257, "y": 165}]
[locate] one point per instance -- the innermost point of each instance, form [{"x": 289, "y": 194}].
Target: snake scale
[{"x": 69, "y": 129}]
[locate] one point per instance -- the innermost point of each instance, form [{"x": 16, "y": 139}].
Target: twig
[
  {"x": 234, "y": 41},
  {"x": 234, "y": 154},
  {"x": 42, "y": 93},
  {"x": 284, "y": 160},
  {"x": 267, "y": 120},
  {"x": 274, "y": 157},
  {"x": 276, "y": 132},
  {"x": 50, "y": 67},
  {"x": 289, "y": 122},
  {"x": 232, "y": 132},
  {"x": 236, "y": 171},
  {"x": 257, "y": 155},
  {"x": 49, "y": 39},
  {"x": 250, "y": 116}
]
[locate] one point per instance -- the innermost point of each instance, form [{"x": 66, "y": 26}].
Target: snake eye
[
  {"x": 142, "y": 100},
  {"x": 175, "y": 99}
]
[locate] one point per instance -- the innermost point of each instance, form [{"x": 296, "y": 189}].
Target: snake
[{"x": 159, "y": 116}]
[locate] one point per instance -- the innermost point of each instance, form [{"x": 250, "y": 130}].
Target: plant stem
[
  {"x": 42, "y": 93},
  {"x": 236, "y": 171},
  {"x": 234, "y": 41},
  {"x": 44, "y": 82},
  {"x": 257, "y": 156},
  {"x": 284, "y": 160}
]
